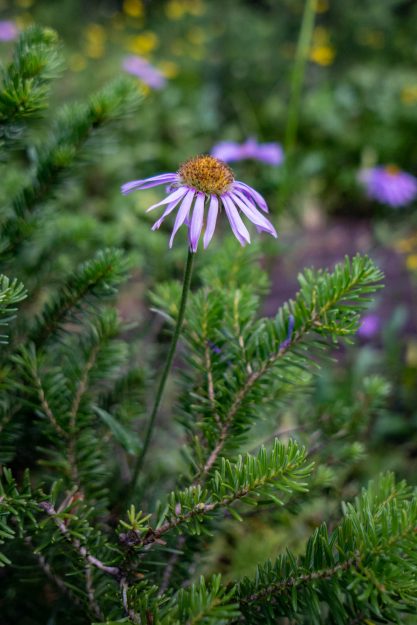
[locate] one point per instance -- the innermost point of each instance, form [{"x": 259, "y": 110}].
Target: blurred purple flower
[
  {"x": 202, "y": 184},
  {"x": 229, "y": 151},
  {"x": 141, "y": 68},
  {"x": 369, "y": 327},
  {"x": 8, "y": 30},
  {"x": 389, "y": 185}
]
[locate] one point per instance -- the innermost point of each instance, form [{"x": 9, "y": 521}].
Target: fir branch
[
  {"x": 94, "y": 280},
  {"x": 76, "y": 126},
  {"x": 368, "y": 561},
  {"x": 50, "y": 574},
  {"x": 43, "y": 399},
  {"x": 283, "y": 468},
  {"x": 47, "y": 507},
  {"x": 12, "y": 292},
  {"x": 328, "y": 303},
  {"x": 25, "y": 84},
  {"x": 307, "y": 578},
  {"x": 72, "y": 435},
  {"x": 124, "y": 588},
  {"x": 95, "y": 608}
]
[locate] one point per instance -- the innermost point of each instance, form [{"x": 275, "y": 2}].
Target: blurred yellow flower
[
  {"x": 133, "y": 8},
  {"x": 95, "y": 38},
  {"x": 322, "y": 55},
  {"x": 196, "y": 7},
  {"x": 77, "y": 62},
  {"x": 144, "y": 43},
  {"x": 169, "y": 69},
  {"x": 322, "y": 6},
  {"x": 409, "y": 94},
  {"x": 411, "y": 262},
  {"x": 175, "y": 9},
  {"x": 321, "y": 52},
  {"x": 24, "y": 4}
]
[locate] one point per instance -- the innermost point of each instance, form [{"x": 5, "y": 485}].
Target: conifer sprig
[
  {"x": 239, "y": 360},
  {"x": 282, "y": 469},
  {"x": 77, "y": 125},
  {"x": 12, "y": 292},
  {"x": 95, "y": 279},
  {"x": 25, "y": 82},
  {"x": 366, "y": 566}
]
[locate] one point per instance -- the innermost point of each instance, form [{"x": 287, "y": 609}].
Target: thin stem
[
  {"x": 296, "y": 84},
  {"x": 167, "y": 368}
]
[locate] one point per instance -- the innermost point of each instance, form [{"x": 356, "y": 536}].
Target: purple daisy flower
[
  {"x": 8, "y": 30},
  {"x": 389, "y": 185},
  {"x": 141, "y": 68},
  {"x": 228, "y": 151},
  {"x": 202, "y": 187}
]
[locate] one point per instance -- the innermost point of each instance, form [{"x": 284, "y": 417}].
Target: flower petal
[
  {"x": 251, "y": 194},
  {"x": 211, "y": 220},
  {"x": 196, "y": 221},
  {"x": 252, "y": 213},
  {"x": 166, "y": 212},
  {"x": 182, "y": 214},
  {"x": 146, "y": 183},
  {"x": 239, "y": 229},
  {"x": 176, "y": 195}
]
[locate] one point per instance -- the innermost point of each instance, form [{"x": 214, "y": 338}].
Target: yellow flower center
[
  {"x": 206, "y": 174},
  {"x": 392, "y": 170}
]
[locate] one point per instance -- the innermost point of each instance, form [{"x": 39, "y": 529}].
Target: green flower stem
[
  {"x": 296, "y": 84},
  {"x": 185, "y": 289}
]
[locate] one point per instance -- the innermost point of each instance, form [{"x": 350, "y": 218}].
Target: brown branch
[
  {"x": 95, "y": 608},
  {"x": 292, "y": 582},
  {"x": 114, "y": 571},
  {"x": 81, "y": 389},
  {"x": 153, "y": 536},
  {"x": 50, "y": 510},
  {"x": 45, "y": 405},
  {"x": 124, "y": 587}
]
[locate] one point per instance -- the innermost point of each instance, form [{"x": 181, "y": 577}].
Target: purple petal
[
  {"x": 196, "y": 221},
  {"x": 178, "y": 194},
  {"x": 182, "y": 214},
  {"x": 239, "y": 229},
  {"x": 252, "y": 213},
  {"x": 146, "y": 183},
  {"x": 270, "y": 153},
  {"x": 166, "y": 212},
  {"x": 141, "y": 68},
  {"x": 227, "y": 151},
  {"x": 211, "y": 220},
  {"x": 251, "y": 194}
]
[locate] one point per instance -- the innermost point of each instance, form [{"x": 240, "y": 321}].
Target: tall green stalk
[
  {"x": 296, "y": 84},
  {"x": 185, "y": 289}
]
